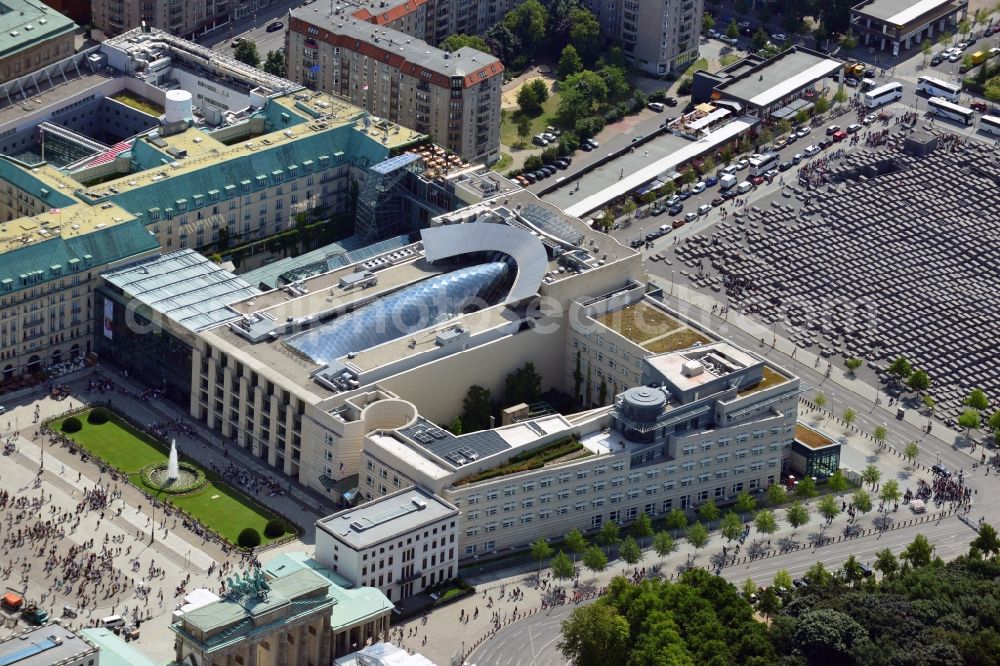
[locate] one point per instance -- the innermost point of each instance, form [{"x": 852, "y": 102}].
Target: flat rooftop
[
  {"x": 717, "y": 359},
  {"x": 812, "y": 438},
  {"x": 43, "y": 646},
  {"x": 386, "y": 517},
  {"x": 54, "y": 95},
  {"x": 780, "y": 76},
  {"x": 902, "y": 12},
  {"x": 26, "y": 23}
]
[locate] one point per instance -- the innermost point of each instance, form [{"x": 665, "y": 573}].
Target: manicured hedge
[
  {"x": 72, "y": 424},
  {"x": 275, "y": 528},
  {"x": 98, "y": 416},
  {"x": 248, "y": 538}
]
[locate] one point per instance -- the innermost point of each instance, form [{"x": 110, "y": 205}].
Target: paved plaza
[
  {"x": 902, "y": 263},
  {"x": 75, "y": 536}
]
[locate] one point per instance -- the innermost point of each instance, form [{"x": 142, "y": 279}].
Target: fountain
[{"x": 173, "y": 469}]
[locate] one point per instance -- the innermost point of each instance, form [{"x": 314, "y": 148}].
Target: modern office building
[
  {"x": 658, "y": 37},
  {"x": 401, "y": 543},
  {"x": 899, "y": 25},
  {"x": 32, "y": 37},
  {"x": 768, "y": 88},
  {"x": 148, "y": 141},
  {"x": 453, "y": 97},
  {"x": 184, "y": 18},
  {"x": 48, "y": 645}
]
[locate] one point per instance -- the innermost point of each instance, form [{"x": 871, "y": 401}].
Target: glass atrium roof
[{"x": 416, "y": 307}]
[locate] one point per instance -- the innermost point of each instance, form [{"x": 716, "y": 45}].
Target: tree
[
  {"x": 275, "y": 64},
  {"x": 531, "y": 96},
  {"x": 852, "y": 570},
  {"x": 676, "y": 520},
  {"x": 925, "y": 48},
  {"x": 889, "y": 493},
  {"x": 782, "y": 579},
  {"x": 562, "y": 567},
  {"x": 765, "y": 522},
  {"x": 523, "y": 126},
  {"x": 818, "y": 575},
  {"x": 977, "y": 400},
  {"x": 765, "y": 135},
  {"x": 663, "y": 544},
  {"x": 697, "y": 536},
  {"x": 987, "y": 541},
  {"x": 502, "y": 42},
  {"x": 797, "y": 515},
  {"x": 964, "y": 26},
  {"x": 616, "y": 80},
  {"x": 708, "y": 511},
  {"x": 731, "y": 526},
  {"x": 769, "y": 603},
  {"x": 707, "y": 22},
  {"x": 911, "y": 451},
  {"x": 745, "y": 503},
  {"x": 993, "y": 423},
  {"x": 569, "y": 62},
  {"x": 837, "y": 481},
  {"x": 523, "y": 385},
  {"x": 806, "y": 488},
  {"x": 929, "y": 403},
  {"x": 595, "y": 635},
  {"x": 541, "y": 551},
  {"x": 629, "y": 207},
  {"x": 476, "y": 409},
  {"x": 886, "y": 563},
  {"x": 456, "y": 426},
  {"x": 822, "y": 105},
  {"x": 776, "y": 494},
  {"x": 918, "y": 553},
  {"x": 852, "y": 363},
  {"x": 848, "y": 41},
  {"x": 991, "y": 90},
  {"x": 578, "y": 94},
  {"x": 527, "y": 23},
  {"x": 969, "y": 420},
  {"x": 849, "y": 416},
  {"x": 630, "y": 551},
  {"x": 732, "y": 30},
  {"x": 871, "y": 474},
  {"x": 609, "y": 534},
  {"x": 454, "y": 42},
  {"x": 821, "y": 35},
  {"x": 899, "y": 369},
  {"x": 585, "y": 33},
  {"x": 246, "y": 52},
  {"x": 595, "y": 560},
  {"x": 574, "y": 542},
  {"x": 828, "y": 508},
  {"x": 862, "y": 500},
  {"x": 642, "y": 528},
  {"x": 748, "y": 589},
  {"x": 879, "y": 434},
  {"x": 918, "y": 381},
  {"x": 840, "y": 96},
  {"x": 944, "y": 38},
  {"x": 759, "y": 39}
]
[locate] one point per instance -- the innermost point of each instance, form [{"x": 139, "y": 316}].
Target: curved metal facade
[{"x": 416, "y": 307}]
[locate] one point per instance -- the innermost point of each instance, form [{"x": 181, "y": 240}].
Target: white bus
[
  {"x": 990, "y": 125},
  {"x": 946, "y": 109},
  {"x": 890, "y": 92},
  {"x": 937, "y": 88},
  {"x": 758, "y": 165}
]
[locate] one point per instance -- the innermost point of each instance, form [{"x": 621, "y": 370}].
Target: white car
[
  {"x": 811, "y": 150},
  {"x": 690, "y": 217},
  {"x": 742, "y": 164},
  {"x": 704, "y": 208},
  {"x": 955, "y": 57},
  {"x": 778, "y": 37},
  {"x": 712, "y": 32},
  {"x": 698, "y": 187},
  {"x": 804, "y": 132},
  {"x": 869, "y": 119}
]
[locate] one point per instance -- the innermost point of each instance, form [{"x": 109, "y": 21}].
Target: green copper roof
[
  {"x": 115, "y": 651},
  {"x": 103, "y": 246},
  {"x": 25, "y": 23},
  {"x": 339, "y": 145},
  {"x": 23, "y": 179}
]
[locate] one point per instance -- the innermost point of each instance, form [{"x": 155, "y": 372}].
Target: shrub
[
  {"x": 72, "y": 424},
  {"x": 248, "y": 538},
  {"x": 97, "y": 416},
  {"x": 199, "y": 480},
  {"x": 275, "y": 528}
]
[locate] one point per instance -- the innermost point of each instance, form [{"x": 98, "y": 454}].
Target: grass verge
[{"x": 508, "y": 128}]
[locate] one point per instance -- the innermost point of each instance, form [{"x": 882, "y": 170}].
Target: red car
[
  {"x": 979, "y": 106},
  {"x": 839, "y": 135},
  {"x": 757, "y": 180}
]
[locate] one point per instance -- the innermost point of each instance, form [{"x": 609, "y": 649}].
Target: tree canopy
[
  {"x": 455, "y": 42},
  {"x": 476, "y": 409}
]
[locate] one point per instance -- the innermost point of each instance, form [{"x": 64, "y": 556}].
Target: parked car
[
  {"x": 638, "y": 242},
  {"x": 757, "y": 180},
  {"x": 690, "y": 216},
  {"x": 656, "y": 106},
  {"x": 236, "y": 42},
  {"x": 978, "y": 106},
  {"x": 853, "y": 127},
  {"x": 658, "y": 209},
  {"x": 792, "y": 138},
  {"x": 778, "y": 38},
  {"x": 851, "y": 82},
  {"x": 811, "y": 150},
  {"x": 698, "y": 187},
  {"x": 675, "y": 199},
  {"x": 718, "y": 201},
  {"x": 593, "y": 143},
  {"x": 676, "y": 209},
  {"x": 825, "y": 143},
  {"x": 670, "y": 101},
  {"x": 540, "y": 140},
  {"x": 529, "y": 176},
  {"x": 796, "y": 158},
  {"x": 586, "y": 147},
  {"x": 803, "y": 132},
  {"x": 684, "y": 195},
  {"x": 730, "y": 193},
  {"x": 831, "y": 129},
  {"x": 522, "y": 181},
  {"x": 869, "y": 119},
  {"x": 677, "y": 224},
  {"x": 274, "y": 26},
  {"x": 712, "y": 181},
  {"x": 839, "y": 135},
  {"x": 955, "y": 57},
  {"x": 742, "y": 164},
  {"x": 704, "y": 208},
  {"x": 785, "y": 166},
  {"x": 936, "y": 60}
]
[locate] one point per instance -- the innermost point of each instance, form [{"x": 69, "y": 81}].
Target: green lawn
[
  {"x": 503, "y": 163},
  {"x": 217, "y": 505},
  {"x": 508, "y": 128},
  {"x": 139, "y": 103}
]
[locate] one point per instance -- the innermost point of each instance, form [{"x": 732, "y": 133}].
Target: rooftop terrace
[{"x": 808, "y": 437}]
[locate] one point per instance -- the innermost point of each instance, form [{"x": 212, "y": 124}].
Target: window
[
  {"x": 563, "y": 494},
  {"x": 600, "y": 470},
  {"x": 632, "y": 494},
  {"x": 633, "y": 477},
  {"x": 474, "y": 499},
  {"x": 490, "y": 511},
  {"x": 596, "y": 502},
  {"x": 491, "y": 495},
  {"x": 616, "y": 498},
  {"x": 688, "y": 449},
  {"x": 581, "y": 490},
  {"x": 508, "y": 491},
  {"x": 581, "y": 474},
  {"x": 472, "y": 531},
  {"x": 722, "y": 457},
  {"x": 562, "y": 510},
  {"x": 706, "y": 462},
  {"x": 508, "y": 523},
  {"x": 545, "y": 499},
  {"x": 528, "y": 486},
  {"x": 668, "y": 485},
  {"x": 773, "y": 462},
  {"x": 617, "y": 481},
  {"x": 564, "y": 477},
  {"x": 472, "y": 515},
  {"x": 667, "y": 506},
  {"x": 527, "y": 518},
  {"x": 579, "y": 506},
  {"x": 527, "y": 503},
  {"x": 724, "y": 442},
  {"x": 618, "y": 466},
  {"x": 705, "y": 446},
  {"x": 720, "y": 491},
  {"x": 543, "y": 514},
  {"x": 490, "y": 527},
  {"x": 545, "y": 482},
  {"x": 508, "y": 506}
]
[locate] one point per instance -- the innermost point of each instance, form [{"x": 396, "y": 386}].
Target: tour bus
[
  {"x": 937, "y": 88},
  {"x": 946, "y": 109},
  {"x": 890, "y": 92},
  {"x": 761, "y": 163},
  {"x": 990, "y": 125}
]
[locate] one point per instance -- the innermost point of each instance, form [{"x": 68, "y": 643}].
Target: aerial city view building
[{"x": 439, "y": 333}]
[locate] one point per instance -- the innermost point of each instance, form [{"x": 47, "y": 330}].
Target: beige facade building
[
  {"x": 659, "y": 37},
  {"x": 184, "y": 18},
  {"x": 32, "y": 36},
  {"x": 453, "y": 97}
]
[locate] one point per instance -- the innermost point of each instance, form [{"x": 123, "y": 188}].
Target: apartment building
[
  {"x": 401, "y": 544},
  {"x": 657, "y": 37},
  {"x": 184, "y": 18},
  {"x": 32, "y": 36},
  {"x": 453, "y": 97}
]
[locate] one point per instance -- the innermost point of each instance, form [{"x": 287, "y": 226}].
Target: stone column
[
  {"x": 283, "y": 648},
  {"x": 302, "y": 639},
  {"x": 325, "y": 653},
  {"x": 252, "y": 654}
]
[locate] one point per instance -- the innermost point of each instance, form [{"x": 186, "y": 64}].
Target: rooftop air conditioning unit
[{"x": 692, "y": 368}]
